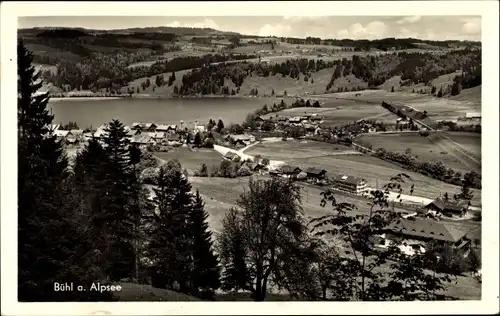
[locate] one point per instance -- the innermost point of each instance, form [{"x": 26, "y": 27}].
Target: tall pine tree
[
  {"x": 121, "y": 210},
  {"x": 205, "y": 269},
  {"x": 52, "y": 238},
  {"x": 169, "y": 246}
]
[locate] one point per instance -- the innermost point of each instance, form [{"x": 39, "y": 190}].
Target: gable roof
[
  {"x": 347, "y": 179},
  {"x": 314, "y": 170},
  {"x": 61, "y": 133},
  {"x": 77, "y": 132},
  {"x": 426, "y": 228},
  {"x": 166, "y": 127},
  {"x": 289, "y": 169},
  {"x": 141, "y": 139},
  {"x": 446, "y": 205},
  {"x": 143, "y": 125}
]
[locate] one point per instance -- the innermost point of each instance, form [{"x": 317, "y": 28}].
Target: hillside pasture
[
  {"x": 422, "y": 148},
  {"x": 295, "y": 149},
  {"x": 45, "y": 50},
  {"x": 220, "y": 194},
  {"x": 191, "y": 159},
  {"x": 251, "y": 48},
  {"x": 280, "y": 84}
]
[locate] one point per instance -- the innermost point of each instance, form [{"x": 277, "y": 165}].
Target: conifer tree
[
  {"x": 205, "y": 273},
  {"x": 220, "y": 125},
  {"x": 169, "y": 246},
  {"x": 53, "y": 242},
  {"x": 121, "y": 213}
]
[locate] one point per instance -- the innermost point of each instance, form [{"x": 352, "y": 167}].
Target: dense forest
[
  {"x": 381, "y": 44},
  {"x": 111, "y": 71},
  {"x": 414, "y": 68}
]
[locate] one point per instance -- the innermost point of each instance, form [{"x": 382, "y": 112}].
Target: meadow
[
  {"x": 191, "y": 159},
  {"x": 337, "y": 159},
  {"x": 437, "y": 108},
  {"x": 470, "y": 141},
  {"x": 376, "y": 171},
  {"x": 293, "y": 149},
  {"x": 422, "y": 148}
]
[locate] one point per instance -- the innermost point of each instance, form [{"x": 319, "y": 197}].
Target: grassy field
[
  {"x": 470, "y": 141},
  {"x": 373, "y": 169},
  {"x": 220, "y": 194},
  {"x": 437, "y": 108},
  {"x": 293, "y": 149},
  {"x": 191, "y": 159},
  {"x": 423, "y": 148}
]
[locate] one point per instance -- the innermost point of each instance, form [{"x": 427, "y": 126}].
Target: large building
[
  {"x": 417, "y": 232},
  {"x": 350, "y": 184}
]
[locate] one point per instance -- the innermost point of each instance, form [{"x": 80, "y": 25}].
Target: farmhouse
[
  {"x": 256, "y": 167},
  {"x": 142, "y": 140},
  {"x": 145, "y": 127},
  {"x": 295, "y": 120},
  {"x": 350, "y": 184},
  {"x": 472, "y": 115},
  {"x": 417, "y": 232},
  {"x": 449, "y": 208},
  {"x": 315, "y": 174},
  {"x": 173, "y": 138},
  {"x": 288, "y": 171},
  {"x": 166, "y": 128},
  {"x": 61, "y": 134}
]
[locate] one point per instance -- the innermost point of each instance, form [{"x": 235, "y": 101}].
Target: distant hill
[{"x": 180, "y": 31}]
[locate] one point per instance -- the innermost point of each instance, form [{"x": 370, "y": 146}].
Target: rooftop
[
  {"x": 289, "y": 169},
  {"x": 314, "y": 170},
  {"x": 348, "y": 179},
  {"x": 447, "y": 205},
  {"x": 419, "y": 227}
]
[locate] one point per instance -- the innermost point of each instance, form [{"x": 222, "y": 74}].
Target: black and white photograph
[{"x": 236, "y": 157}]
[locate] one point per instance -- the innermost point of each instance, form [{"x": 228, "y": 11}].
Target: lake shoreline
[{"x": 148, "y": 96}]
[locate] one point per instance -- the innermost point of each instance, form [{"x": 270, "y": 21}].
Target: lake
[{"x": 94, "y": 113}]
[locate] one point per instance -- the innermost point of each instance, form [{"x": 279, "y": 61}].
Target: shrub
[
  {"x": 244, "y": 171},
  {"x": 149, "y": 175}
]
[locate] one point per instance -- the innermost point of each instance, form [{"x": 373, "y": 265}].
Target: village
[{"x": 423, "y": 220}]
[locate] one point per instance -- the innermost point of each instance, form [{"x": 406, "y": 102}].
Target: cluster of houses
[
  {"x": 310, "y": 122},
  {"x": 142, "y": 134}
]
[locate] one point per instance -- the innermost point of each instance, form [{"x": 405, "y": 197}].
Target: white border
[{"x": 487, "y": 9}]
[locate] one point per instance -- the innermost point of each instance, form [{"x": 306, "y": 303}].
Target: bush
[
  {"x": 209, "y": 143},
  {"x": 424, "y": 133},
  {"x": 202, "y": 172},
  {"x": 149, "y": 175},
  {"x": 244, "y": 171}
]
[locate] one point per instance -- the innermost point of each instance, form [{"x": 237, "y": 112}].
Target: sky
[{"x": 339, "y": 27}]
